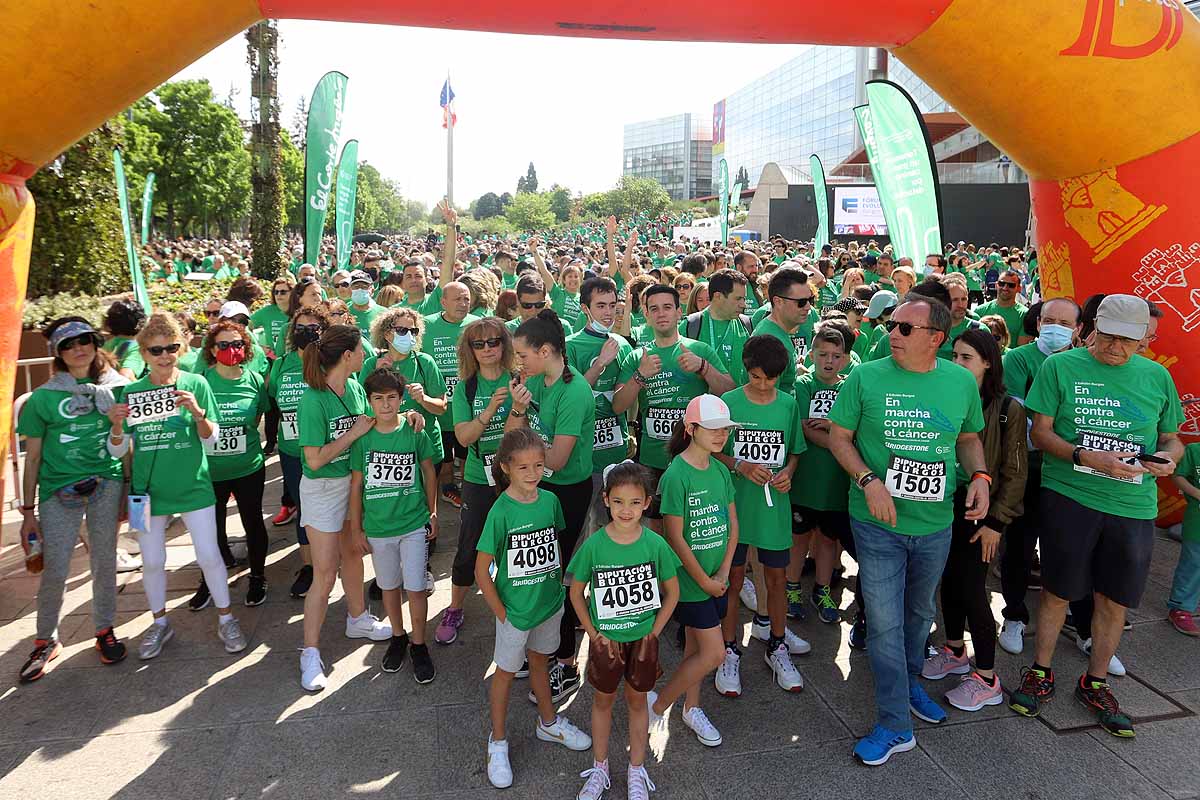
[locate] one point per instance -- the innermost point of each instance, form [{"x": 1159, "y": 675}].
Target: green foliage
[
  {"x": 291, "y": 173},
  {"x": 635, "y": 195},
  {"x": 560, "y": 202},
  {"x": 488, "y": 205},
  {"x": 476, "y": 228},
  {"x": 530, "y": 212},
  {"x": 36, "y": 314},
  {"x": 742, "y": 177},
  {"x": 528, "y": 183}
]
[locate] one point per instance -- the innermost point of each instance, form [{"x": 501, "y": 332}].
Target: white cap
[
  {"x": 709, "y": 411},
  {"x": 233, "y": 308}
]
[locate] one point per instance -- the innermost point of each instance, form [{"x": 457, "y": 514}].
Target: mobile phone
[{"x": 1150, "y": 458}]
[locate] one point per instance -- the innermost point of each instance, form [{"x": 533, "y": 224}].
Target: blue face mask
[
  {"x": 1055, "y": 337},
  {"x": 403, "y": 343},
  {"x": 360, "y": 297},
  {"x": 600, "y": 327}
]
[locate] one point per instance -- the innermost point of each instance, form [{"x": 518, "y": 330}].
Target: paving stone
[
  {"x": 62, "y": 705},
  {"x": 1164, "y": 752}
]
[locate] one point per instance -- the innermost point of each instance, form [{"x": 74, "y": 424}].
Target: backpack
[{"x": 696, "y": 321}]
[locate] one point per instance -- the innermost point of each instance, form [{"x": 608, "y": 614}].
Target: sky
[{"x": 558, "y": 102}]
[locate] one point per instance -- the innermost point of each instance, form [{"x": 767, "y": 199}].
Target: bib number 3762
[{"x": 922, "y": 481}]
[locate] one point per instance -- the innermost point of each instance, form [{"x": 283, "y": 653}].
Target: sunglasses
[
  {"x": 1008, "y": 284},
  {"x": 483, "y": 344},
  {"x": 906, "y": 328},
  {"x": 400, "y": 329},
  {"x": 159, "y": 349},
  {"x": 686, "y": 287},
  {"x": 342, "y": 285},
  {"x": 800, "y": 302},
  {"x": 212, "y": 314},
  {"x": 282, "y": 292},
  {"x": 308, "y": 328},
  {"x": 236, "y": 344},
  {"x": 539, "y": 304},
  {"x": 76, "y": 341}
]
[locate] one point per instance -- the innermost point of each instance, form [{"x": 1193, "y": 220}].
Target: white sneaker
[
  {"x": 1012, "y": 636},
  {"x": 154, "y": 640},
  {"x": 597, "y": 782},
  {"x": 728, "y": 678},
  {"x": 368, "y": 627},
  {"x": 639, "y": 784},
  {"x": 230, "y": 634},
  {"x": 705, "y": 731},
  {"x": 748, "y": 594},
  {"x": 128, "y": 563},
  {"x": 1115, "y": 667},
  {"x": 795, "y": 645},
  {"x": 786, "y": 674},
  {"x": 312, "y": 671},
  {"x": 657, "y": 723},
  {"x": 564, "y": 733},
  {"x": 428, "y": 582},
  {"x": 498, "y": 769}
]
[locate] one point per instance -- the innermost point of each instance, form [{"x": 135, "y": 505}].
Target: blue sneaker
[
  {"x": 879, "y": 745},
  {"x": 827, "y": 610},
  {"x": 858, "y": 633},
  {"x": 795, "y": 605},
  {"x": 922, "y": 705}
]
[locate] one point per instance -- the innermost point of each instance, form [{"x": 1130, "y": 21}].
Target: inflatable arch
[{"x": 1096, "y": 99}]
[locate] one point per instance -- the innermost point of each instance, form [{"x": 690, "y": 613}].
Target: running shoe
[
  {"x": 787, "y": 677},
  {"x": 452, "y": 495},
  {"x": 881, "y": 744},
  {"x": 499, "y": 771},
  {"x": 303, "y": 582},
  {"x": 1115, "y": 667},
  {"x": 312, "y": 671},
  {"x": 423, "y": 670},
  {"x": 44, "y": 651},
  {"x": 727, "y": 678},
  {"x": 858, "y": 632},
  {"x": 1183, "y": 622},
  {"x": 923, "y": 706},
  {"x": 796, "y": 646},
  {"x": 112, "y": 650},
  {"x": 230, "y": 634},
  {"x": 256, "y": 593},
  {"x": 795, "y": 604},
  {"x": 596, "y": 783},
  {"x": 563, "y": 681},
  {"x": 393, "y": 659},
  {"x": 127, "y": 562},
  {"x": 561, "y": 731},
  {"x": 286, "y": 514},
  {"x": 367, "y": 627},
  {"x": 945, "y": 663},
  {"x": 1037, "y": 687},
  {"x": 447, "y": 629},
  {"x": 154, "y": 640},
  {"x": 748, "y": 594},
  {"x": 827, "y": 609},
  {"x": 200, "y": 600},
  {"x": 1012, "y": 636},
  {"x": 523, "y": 672},
  {"x": 1097, "y": 696},
  {"x": 429, "y": 584},
  {"x": 973, "y": 693},
  {"x": 699, "y": 723},
  {"x": 639, "y": 784}
]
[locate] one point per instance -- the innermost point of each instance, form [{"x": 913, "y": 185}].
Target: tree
[
  {"x": 266, "y": 219},
  {"x": 529, "y": 183},
  {"x": 635, "y": 195},
  {"x": 530, "y": 212},
  {"x": 742, "y": 177},
  {"x": 300, "y": 123},
  {"x": 505, "y": 200},
  {"x": 291, "y": 172},
  {"x": 560, "y": 202},
  {"x": 487, "y": 205}
]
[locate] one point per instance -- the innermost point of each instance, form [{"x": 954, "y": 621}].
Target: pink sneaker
[
  {"x": 447, "y": 629},
  {"x": 1183, "y": 622},
  {"x": 945, "y": 663},
  {"x": 973, "y": 693}
]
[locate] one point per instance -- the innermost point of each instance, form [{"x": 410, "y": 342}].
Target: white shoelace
[
  {"x": 640, "y": 784},
  {"x": 700, "y": 721},
  {"x": 597, "y": 783}
]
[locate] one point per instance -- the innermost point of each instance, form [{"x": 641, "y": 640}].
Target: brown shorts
[{"x": 605, "y": 673}]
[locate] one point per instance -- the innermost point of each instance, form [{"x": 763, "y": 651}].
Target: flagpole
[{"x": 449, "y": 154}]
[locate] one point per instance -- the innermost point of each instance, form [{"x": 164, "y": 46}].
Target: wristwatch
[{"x": 1075, "y": 456}]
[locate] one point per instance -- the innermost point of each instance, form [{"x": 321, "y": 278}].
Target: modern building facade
[{"x": 676, "y": 151}]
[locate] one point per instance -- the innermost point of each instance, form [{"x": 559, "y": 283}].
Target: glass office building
[{"x": 675, "y": 151}]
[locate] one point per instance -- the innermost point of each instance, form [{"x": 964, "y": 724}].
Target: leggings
[
  {"x": 248, "y": 492},
  {"x": 964, "y": 590},
  {"x": 202, "y": 525},
  {"x": 478, "y": 499},
  {"x": 1020, "y": 542},
  {"x": 575, "y": 499}
]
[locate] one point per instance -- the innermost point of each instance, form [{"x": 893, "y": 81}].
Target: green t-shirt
[
  {"x": 567, "y": 307},
  {"x": 907, "y": 426},
  {"x": 286, "y": 386},
  {"x": 796, "y": 344},
  {"x": 1014, "y": 318},
  {"x": 1189, "y": 468},
  {"x": 509, "y": 280},
  {"x": 768, "y": 435},
  {"x": 237, "y": 451},
  {"x": 73, "y": 446},
  {"x": 565, "y": 409},
  {"x": 1102, "y": 407},
  {"x": 946, "y": 351},
  {"x": 727, "y": 337},
  {"x": 323, "y": 417},
  {"x": 419, "y": 368},
  {"x": 819, "y": 482},
  {"x": 624, "y": 581},
  {"x": 393, "y": 489},
  {"x": 662, "y": 401},
  {"x": 702, "y": 498},
  {"x": 128, "y": 355},
  {"x": 169, "y": 462},
  {"x": 271, "y": 320},
  {"x": 523, "y": 539},
  {"x": 608, "y": 443},
  {"x": 1021, "y": 366},
  {"x": 481, "y": 452},
  {"x": 441, "y": 342},
  {"x": 364, "y": 317},
  {"x": 431, "y": 304},
  {"x": 828, "y": 295},
  {"x": 515, "y": 323}
]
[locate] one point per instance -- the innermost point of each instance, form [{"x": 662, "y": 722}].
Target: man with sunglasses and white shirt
[{"x": 791, "y": 297}]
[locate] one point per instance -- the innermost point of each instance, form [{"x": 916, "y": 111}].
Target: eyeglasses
[
  {"x": 342, "y": 285},
  {"x": 282, "y": 292},
  {"x": 800, "y": 302},
  {"x": 159, "y": 349},
  {"x": 308, "y": 328},
  {"x": 400, "y": 329},
  {"x": 484, "y": 344},
  {"x": 1008, "y": 284},
  {"x": 235, "y": 344},
  {"x": 906, "y": 328},
  {"x": 1108, "y": 338},
  {"x": 686, "y": 287},
  {"x": 211, "y": 313},
  {"x": 538, "y": 304}
]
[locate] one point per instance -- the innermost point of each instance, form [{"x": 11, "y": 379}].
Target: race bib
[
  {"x": 287, "y": 426},
  {"x": 660, "y": 422},
  {"x": 801, "y": 345},
  {"x": 608, "y": 434},
  {"x": 230, "y": 441},
  {"x": 922, "y": 481},
  {"x": 1098, "y": 441},
  {"x": 451, "y": 382},
  {"x": 341, "y": 426},
  {"x": 487, "y": 468},
  {"x": 151, "y": 405},
  {"x": 386, "y": 470},
  {"x": 821, "y": 403},
  {"x": 759, "y": 447},
  {"x": 532, "y": 553},
  {"x": 625, "y": 591}
]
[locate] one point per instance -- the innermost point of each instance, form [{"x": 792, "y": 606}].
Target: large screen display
[{"x": 857, "y": 212}]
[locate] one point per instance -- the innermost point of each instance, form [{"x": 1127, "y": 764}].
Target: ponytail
[
  {"x": 515, "y": 441},
  {"x": 325, "y": 353},
  {"x": 546, "y": 329},
  {"x": 680, "y": 439}
]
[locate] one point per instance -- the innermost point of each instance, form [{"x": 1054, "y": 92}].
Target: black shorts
[
  {"x": 451, "y": 448},
  {"x": 833, "y": 525},
  {"x": 702, "y": 614},
  {"x": 1084, "y": 551},
  {"x": 655, "y": 509},
  {"x": 776, "y": 559}
]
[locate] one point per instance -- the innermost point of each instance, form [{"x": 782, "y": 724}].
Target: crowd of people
[{"x": 633, "y": 430}]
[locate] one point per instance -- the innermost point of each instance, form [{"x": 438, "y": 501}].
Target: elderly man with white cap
[{"x": 1107, "y": 425}]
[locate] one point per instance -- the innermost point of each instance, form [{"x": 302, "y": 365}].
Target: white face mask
[
  {"x": 360, "y": 297},
  {"x": 403, "y": 343},
  {"x": 600, "y": 327}
]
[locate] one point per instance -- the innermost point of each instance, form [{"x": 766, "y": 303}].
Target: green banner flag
[
  {"x": 735, "y": 201},
  {"x": 131, "y": 253},
  {"x": 347, "y": 194},
  {"x": 862, "y": 115},
  {"x": 322, "y": 138},
  {"x": 903, "y": 165},
  {"x": 821, "y": 197},
  {"x": 723, "y": 194},
  {"x": 147, "y": 207}
]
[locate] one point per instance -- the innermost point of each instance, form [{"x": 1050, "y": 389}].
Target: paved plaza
[{"x": 198, "y": 723}]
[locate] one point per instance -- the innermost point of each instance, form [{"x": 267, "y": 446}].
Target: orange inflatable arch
[{"x": 1096, "y": 99}]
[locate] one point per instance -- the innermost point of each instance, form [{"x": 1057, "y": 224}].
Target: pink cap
[{"x": 708, "y": 411}]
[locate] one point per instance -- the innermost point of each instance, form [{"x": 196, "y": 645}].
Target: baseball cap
[
  {"x": 233, "y": 308},
  {"x": 709, "y": 411},
  {"x": 1123, "y": 315},
  {"x": 869, "y": 261},
  {"x": 881, "y": 301},
  {"x": 359, "y": 276}
]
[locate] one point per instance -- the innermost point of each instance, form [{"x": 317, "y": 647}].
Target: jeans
[
  {"x": 1185, "y": 588},
  {"x": 60, "y": 519},
  {"x": 292, "y": 470},
  {"x": 899, "y": 575}
]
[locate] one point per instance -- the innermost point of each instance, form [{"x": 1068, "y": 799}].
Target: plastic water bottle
[{"x": 33, "y": 560}]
